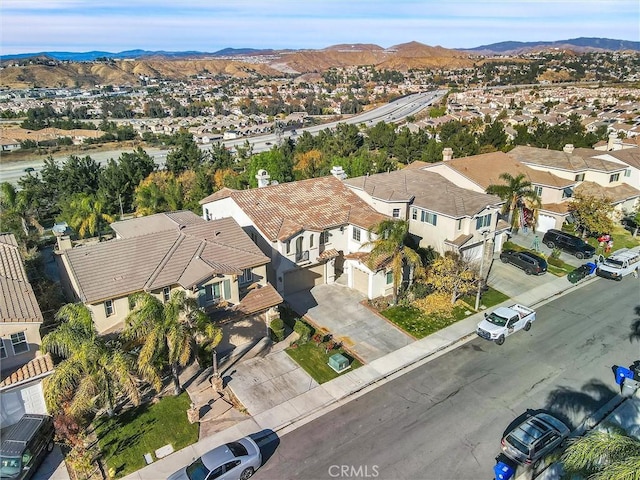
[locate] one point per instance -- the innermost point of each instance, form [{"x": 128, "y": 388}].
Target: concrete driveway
[
  {"x": 338, "y": 310},
  {"x": 512, "y": 281}
]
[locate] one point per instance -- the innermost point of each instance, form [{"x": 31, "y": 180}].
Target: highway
[
  {"x": 393, "y": 112},
  {"x": 445, "y": 419}
]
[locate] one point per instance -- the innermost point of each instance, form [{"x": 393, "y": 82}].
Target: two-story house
[
  {"x": 440, "y": 213},
  {"x": 214, "y": 262},
  {"x": 477, "y": 172},
  {"x": 595, "y": 173},
  {"x": 22, "y": 366},
  {"x": 308, "y": 229}
]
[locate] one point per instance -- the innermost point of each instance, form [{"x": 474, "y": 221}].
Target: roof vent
[
  {"x": 338, "y": 172},
  {"x": 447, "y": 154}
]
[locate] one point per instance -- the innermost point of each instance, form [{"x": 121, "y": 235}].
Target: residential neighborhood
[{"x": 152, "y": 312}]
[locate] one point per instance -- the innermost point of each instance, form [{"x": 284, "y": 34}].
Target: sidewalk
[{"x": 323, "y": 398}]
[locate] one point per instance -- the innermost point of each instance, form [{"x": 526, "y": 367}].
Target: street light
[{"x": 485, "y": 236}]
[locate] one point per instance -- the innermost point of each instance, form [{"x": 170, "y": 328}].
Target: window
[
  {"x": 19, "y": 343},
  {"x": 108, "y": 308},
  {"x": 396, "y": 213},
  {"x": 484, "y": 221},
  {"x": 459, "y": 223},
  {"x": 324, "y": 237},
  {"x": 627, "y": 172},
  {"x": 212, "y": 292},
  {"x": 254, "y": 236},
  {"x": 3, "y": 351},
  {"x": 166, "y": 293},
  {"x": 231, "y": 465},
  {"x": 207, "y": 214},
  {"x": 389, "y": 278},
  {"x": 614, "y": 178},
  {"x": 538, "y": 190},
  {"x": 311, "y": 240},
  {"x": 567, "y": 192},
  {"x": 414, "y": 213},
  {"x": 580, "y": 177},
  {"x": 246, "y": 277},
  {"x": 287, "y": 245},
  {"x": 356, "y": 234},
  {"x": 428, "y": 217}
]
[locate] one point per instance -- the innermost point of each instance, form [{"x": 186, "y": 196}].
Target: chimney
[
  {"x": 263, "y": 178},
  {"x": 568, "y": 148},
  {"x": 447, "y": 154},
  {"x": 614, "y": 142},
  {"x": 338, "y": 172}
]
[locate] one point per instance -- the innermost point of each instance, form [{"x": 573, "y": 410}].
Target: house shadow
[{"x": 301, "y": 302}]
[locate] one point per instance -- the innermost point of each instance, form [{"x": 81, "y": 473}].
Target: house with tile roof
[
  {"x": 477, "y": 172},
  {"x": 214, "y": 262},
  {"x": 615, "y": 173},
  {"x": 309, "y": 229},
  {"x": 440, "y": 213},
  {"x": 22, "y": 366}
]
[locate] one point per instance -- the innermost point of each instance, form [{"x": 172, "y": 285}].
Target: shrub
[
  {"x": 303, "y": 330},
  {"x": 508, "y": 245},
  {"x": 277, "y": 329},
  {"x": 419, "y": 290},
  {"x": 556, "y": 262},
  {"x": 288, "y": 316},
  {"x": 555, "y": 253}
]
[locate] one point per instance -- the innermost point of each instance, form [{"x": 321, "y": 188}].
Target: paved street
[{"x": 444, "y": 420}]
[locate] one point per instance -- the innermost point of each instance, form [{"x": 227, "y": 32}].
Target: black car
[
  {"x": 531, "y": 264},
  {"x": 569, "y": 243},
  {"x": 25, "y": 445}
]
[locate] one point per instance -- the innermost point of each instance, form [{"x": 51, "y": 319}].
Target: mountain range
[
  {"x": 88, "y": 69},
  {"x": 509, "y": 47}
]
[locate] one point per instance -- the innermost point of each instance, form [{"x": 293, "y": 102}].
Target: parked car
[
  {"x": 621, "y": 263},
  {"x": 531, "y": 263},
  {"x": 25, "y": 445},
  {"x": 231, "y": 461},
  {"x": 569, "y": 243},
  {"x": 505, "y": 321},
  {"x": 534, "y": 438},
  {"x": 581, "y": 272}
]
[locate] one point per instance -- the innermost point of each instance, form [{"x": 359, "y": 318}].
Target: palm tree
[
  {"x": 15, "y": 211},
  {"x": 514, "y": 193},
  {"x": 88, "y": 216},
  {"x": 604, "y": 455},
  {"x": 168, "y": 333},
  {"x": 391, "y": 248},
  {"x": 94, "y": 373}
]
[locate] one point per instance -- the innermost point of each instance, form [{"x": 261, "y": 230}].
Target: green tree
[
  {"x": 16, "y": 216},
  {"x": 84, "y": 213},
  {"x": 168, "y": 333},
  {"x": 186, "y": 154},
  {"x": 592, "y": 214},
  {"x": 93, "y": 373},
  {"x": 514, "y": 192},
  {"x": 390, "y": 249},
  {"x": 604, "y": 455},
  {"x": 454, "y": 275},
  {"x": 493, "y": 135}
]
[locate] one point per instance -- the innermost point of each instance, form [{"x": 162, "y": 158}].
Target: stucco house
[
  {"x": 477, "y": 172},
  {"x": 22, "y": 366},
  {"x": 440, "y": 213},
  {"x": 214, "y": 262},
  {"x": 310, "y": 229},
  {"x": 615, "y": 173}
]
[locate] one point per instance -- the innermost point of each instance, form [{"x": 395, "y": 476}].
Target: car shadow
[{"x": 268, "y": 441}]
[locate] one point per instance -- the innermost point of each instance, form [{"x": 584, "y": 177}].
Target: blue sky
[{"x": 210, "y": 25}]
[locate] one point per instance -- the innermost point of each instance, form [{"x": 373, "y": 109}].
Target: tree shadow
[
  {"x": 634, "y": 335},
  {"x": 565, "y": 403}
]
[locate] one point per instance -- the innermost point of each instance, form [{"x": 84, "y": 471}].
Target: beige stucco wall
[{"x": 32, "y": 334}]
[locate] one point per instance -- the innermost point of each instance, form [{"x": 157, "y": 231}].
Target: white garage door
[
  {"x": 303, "y": 279},
  {"x": 546, "y": 222},
  {"x": 15, "y": 403},
  {"x": 361, "y": 281}
]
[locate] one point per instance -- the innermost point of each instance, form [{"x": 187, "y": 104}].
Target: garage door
[
  {"x": 361, "y": 281},
  {"x": 15, "y": 403},
  {"x": 303, "y": 279},
  {"x": 546, "y": 222}
]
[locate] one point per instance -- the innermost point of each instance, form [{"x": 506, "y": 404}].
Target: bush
[
  {"x": 303, "y": 330},
  {"x": 276, "y": 328},
  {"x": 555, "y": 253},
  {"x": 556, "y": 262},
  {"x": 511, "y": 246},
  {"x": 288, "y": 316},
  {"x": 420, "y": 290}
]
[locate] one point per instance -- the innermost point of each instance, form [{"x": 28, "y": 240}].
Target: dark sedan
[{"x": 531, "y": 264}]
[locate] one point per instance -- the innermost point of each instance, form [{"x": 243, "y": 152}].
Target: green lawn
[
  {"x": 124, "y": 439},
  {"x": 314, "y": 361},
  {"x": 489, "y": 298},
  {"x": 419, "y": 325},
  {"x": 621, "y": 239}
]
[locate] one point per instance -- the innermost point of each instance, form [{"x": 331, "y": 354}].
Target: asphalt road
[
  {"x": 445, "y": 419},
  {"x": 392, "y": 112}
]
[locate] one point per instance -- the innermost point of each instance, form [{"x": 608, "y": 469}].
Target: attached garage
[
  {"x": 303, "y": 279},
  {"x": 546, "y": 222},
  {"x": 15, "y": 403}
]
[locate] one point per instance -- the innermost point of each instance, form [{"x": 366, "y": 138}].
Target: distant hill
[{"x": 582, "y": 44}]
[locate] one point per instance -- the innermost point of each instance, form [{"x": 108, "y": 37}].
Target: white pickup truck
[
  {"x": 504, "y": 321},
  {"x": 621, "y": 263}
]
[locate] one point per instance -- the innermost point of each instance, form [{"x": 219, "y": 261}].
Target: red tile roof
[
  {"x": 37, "y": 367},
  {"x": 258, "y": 300}
]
